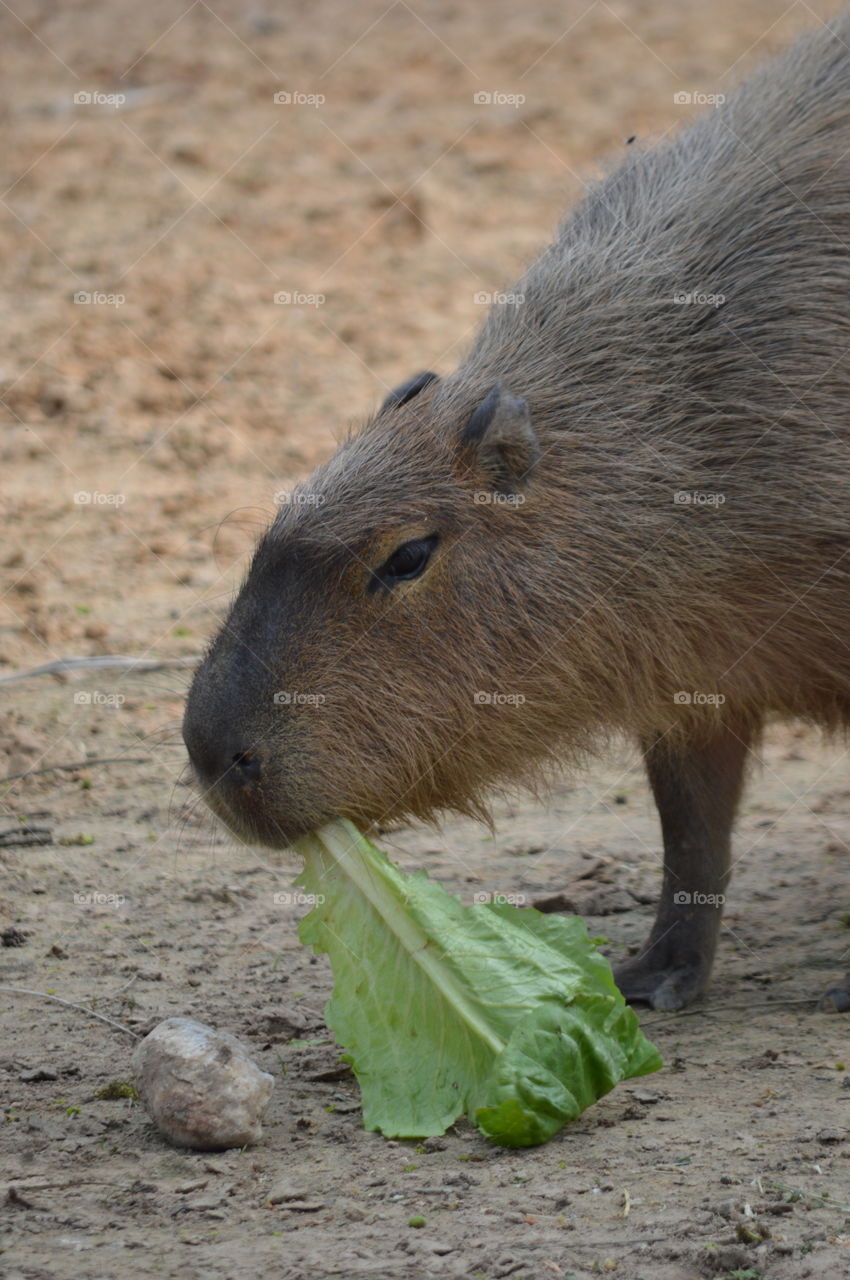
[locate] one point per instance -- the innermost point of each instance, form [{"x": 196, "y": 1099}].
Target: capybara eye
[{"x": 407, "y": 561}]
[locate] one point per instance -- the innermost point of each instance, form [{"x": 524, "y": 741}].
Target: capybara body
[{"x": 627, "y": 511}]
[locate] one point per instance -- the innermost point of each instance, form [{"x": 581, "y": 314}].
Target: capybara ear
[
  {"x": 499, "y": 443},
  {"x": 408, "y": 390}
]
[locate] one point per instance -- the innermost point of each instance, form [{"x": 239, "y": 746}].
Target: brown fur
[{"x": 581, "y": 589}]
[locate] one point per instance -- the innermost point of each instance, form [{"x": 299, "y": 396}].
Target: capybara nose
[
  {"x": 218, "y": 763},
  {"x": 246, "y": 766}
]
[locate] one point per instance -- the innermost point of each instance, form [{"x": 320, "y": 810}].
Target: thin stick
[
  {"x": 78, "y": 764},
  {"x": 826, "y": 1201},
  {"x": 714, "y": 1011},
  {"x": 123, "y": 987},
  {"x": 22, "y": 1185},
  {"x": 106, "y": 661},
  {"x": 25, "y": 837},
  {"x": 81, "y": 1008}
]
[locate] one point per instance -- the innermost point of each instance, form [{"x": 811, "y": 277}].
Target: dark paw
[
  {"x": 837, "y": 999},
  {"x": 644, "y": 982}
]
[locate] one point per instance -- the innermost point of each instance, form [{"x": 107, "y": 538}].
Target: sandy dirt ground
[{"x": 148, "y": 168}]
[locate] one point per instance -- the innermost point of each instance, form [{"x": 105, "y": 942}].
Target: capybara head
[{"x": 379, "y": 660}]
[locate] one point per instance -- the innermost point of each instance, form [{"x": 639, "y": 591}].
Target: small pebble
[
  {"x": 199, "y": 1086},
  {"x": 286, "y": 1190},
  {"x": 647, "y": 1096},
  {"x": 440, "y": 1247}
]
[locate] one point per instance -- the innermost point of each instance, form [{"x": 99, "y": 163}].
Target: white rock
[{"x": 199, "y": 1086}]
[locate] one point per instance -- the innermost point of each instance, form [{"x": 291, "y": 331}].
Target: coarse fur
[{"x": 653, "y": 502}]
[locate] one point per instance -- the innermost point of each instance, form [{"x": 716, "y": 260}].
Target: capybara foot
[
  {"x": 648, "y": 980},
  {"x": 837, "y": 999}
]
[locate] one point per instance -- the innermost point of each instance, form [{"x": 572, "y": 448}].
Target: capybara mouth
[{"x": 249, "y": 820}]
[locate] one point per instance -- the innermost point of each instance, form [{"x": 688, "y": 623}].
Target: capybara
[{"x": 627, "y": 511}]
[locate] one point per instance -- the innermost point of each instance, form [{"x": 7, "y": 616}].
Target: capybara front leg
[{"x": 696, "y": 790}]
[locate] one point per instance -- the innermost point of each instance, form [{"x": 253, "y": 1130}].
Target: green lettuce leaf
[{"x": 501, "y": 1013}]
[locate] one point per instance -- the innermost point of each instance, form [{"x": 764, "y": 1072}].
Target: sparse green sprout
[{"x": 117, "y": 1089}]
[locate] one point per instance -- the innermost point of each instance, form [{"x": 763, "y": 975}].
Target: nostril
[{"x": 247, "y": 765}]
